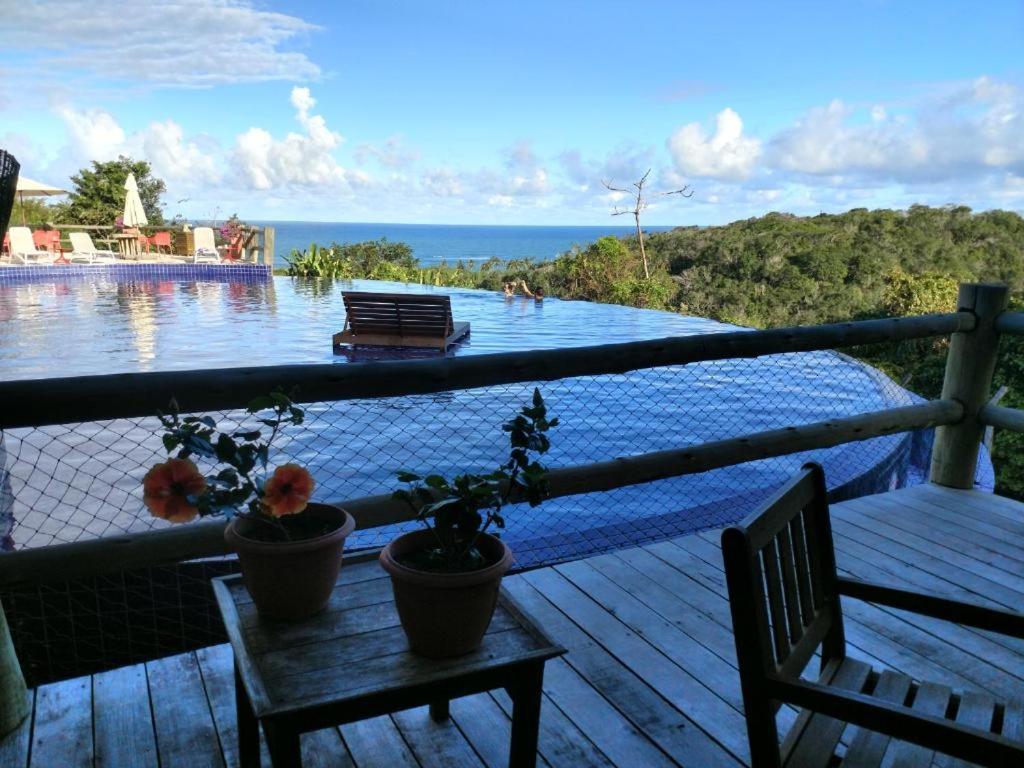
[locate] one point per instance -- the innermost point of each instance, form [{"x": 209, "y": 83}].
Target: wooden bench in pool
[{"x": 399, "y": 320}]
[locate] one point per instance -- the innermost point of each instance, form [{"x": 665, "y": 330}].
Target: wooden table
[
  {"x": 127, "y": 244},
  {"x": 352, "y": 662}
]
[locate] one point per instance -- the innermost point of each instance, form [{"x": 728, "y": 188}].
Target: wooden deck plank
[
  {"x": 216, "y": 665},
  {"x": 377, "y": 742},
  {"x": 123, "y": 720},
  {"x": 15, "y": 746},
  {"x": 185, "y": 731},
  {"x": 560, "y": 742},
  {"x": 62, "y": 731},
  {"x": 487, "y": 728},
  {"x": 435, "y": 744},
  {"x": 650, "y": 676},
  {"x": 618, "y": 712},
  {"x": 719, "y": 724},
  {"x": 931, "y": 527}
]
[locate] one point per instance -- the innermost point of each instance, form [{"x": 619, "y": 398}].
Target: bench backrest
[{"x": 401, "y": 314}]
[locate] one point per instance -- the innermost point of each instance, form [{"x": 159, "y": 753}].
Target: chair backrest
[
  {"x": 81, "y": 242},
  {"x": 161, "y": 239},
  {"x": 41, "y": 239},
  {"x": 402, "y": 314},
  {"x": 21, "y": 240},
  {"x": 9, "y": 168},
  {"x": 781, "y": 572},
  {"x": 203, "y": 239}
]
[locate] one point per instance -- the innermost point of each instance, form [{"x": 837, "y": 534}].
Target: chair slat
[
  {"x": 867, "y": 748},
  {"x": 1013, "y": 720},
  {"x": 788, "y": 567},
  {"x": 803, "y": 570},
  {"x": 976, "y": 710},
  {"x": 931, "y": 699},
  {"x": 820, "y": 734},
  {"x": 776, "y": 604}
]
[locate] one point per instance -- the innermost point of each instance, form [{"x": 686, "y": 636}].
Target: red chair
[
  {"x": 234, "y": 249},
  {"x": 160, "y": 240},
  {"x": 48, "y": 240},
  {"x": 144, "y": 242}
]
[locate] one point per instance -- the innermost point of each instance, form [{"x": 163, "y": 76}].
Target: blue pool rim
[{"x": 33, "y": 273}]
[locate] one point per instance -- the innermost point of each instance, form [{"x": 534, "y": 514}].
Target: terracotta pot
[
  {"x": 291, "y": 580},
  {"x": 444, "y": 614}
]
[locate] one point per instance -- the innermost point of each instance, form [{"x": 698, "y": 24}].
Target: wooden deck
[{"x": 650, "y": 676}]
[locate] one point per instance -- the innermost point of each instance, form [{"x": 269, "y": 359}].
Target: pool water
[{"x": 89, "y": 325}]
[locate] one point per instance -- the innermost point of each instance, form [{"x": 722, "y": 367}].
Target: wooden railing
[{"x": 81, "y": 399}]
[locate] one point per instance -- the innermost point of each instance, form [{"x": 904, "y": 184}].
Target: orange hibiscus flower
[
  {"x": 169, "y": 489},
  {"x": 288, "y": 490}
]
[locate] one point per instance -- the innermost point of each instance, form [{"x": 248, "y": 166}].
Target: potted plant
[
  {"x": 289, "y": 548},
  {"x": 446, "y": 576}
]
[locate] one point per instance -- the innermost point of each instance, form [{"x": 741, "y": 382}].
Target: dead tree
[{"x": 641, "y": 203}]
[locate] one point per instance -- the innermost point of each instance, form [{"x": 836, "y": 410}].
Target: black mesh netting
[{"x": 71, "y": 482}]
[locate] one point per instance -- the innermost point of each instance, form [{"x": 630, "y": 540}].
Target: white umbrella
[
  {"x": 134, "y": 213},
  {"x": 32, "y": 188}
]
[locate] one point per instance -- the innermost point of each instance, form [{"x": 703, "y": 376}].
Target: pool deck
[{"x": 650, "y": 677}]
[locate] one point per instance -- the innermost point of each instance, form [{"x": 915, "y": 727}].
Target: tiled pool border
[{"x": 33, "y": 273}]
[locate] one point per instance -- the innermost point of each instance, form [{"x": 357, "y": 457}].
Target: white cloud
[
  {"x": 304, "y": 159},
  {"x": 974, "y": 129},
  {"x": 174, "y": 158},
  {"x": 392, "y": 154},
  {"x": 182, "y": 43},
  {"x": 726, "y": 154},
  {"x": 443, "y": 183},
  {"x": 94, "y": 134}
]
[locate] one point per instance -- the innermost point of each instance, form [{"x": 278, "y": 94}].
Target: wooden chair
[
  {"x": 399, "y": 320},
  {"x": 785, "y": 597}
]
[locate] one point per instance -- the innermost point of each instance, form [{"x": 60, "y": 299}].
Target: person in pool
[
  {"x": 537, "y": 295},
  {"x": 509, "y": 289}
]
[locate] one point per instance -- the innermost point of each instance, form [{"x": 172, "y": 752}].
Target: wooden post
[
  {"x": 13, "y": 694},
  {"x": 268, "y": 246},
  {"x": 969, "y": 366}
]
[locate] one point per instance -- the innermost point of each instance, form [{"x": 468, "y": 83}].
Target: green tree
[
  {"x": 31, "y": 212},
  {"x": 98, "y": 195}
]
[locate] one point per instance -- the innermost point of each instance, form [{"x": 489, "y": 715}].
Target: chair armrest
[
  {"x": 994, "y": 619},
  {"x": 899, "y": 722}
]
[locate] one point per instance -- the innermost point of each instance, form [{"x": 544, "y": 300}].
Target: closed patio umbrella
[
  {"x": 32, "y": 188},
  {"x": 134, "y": 213}
]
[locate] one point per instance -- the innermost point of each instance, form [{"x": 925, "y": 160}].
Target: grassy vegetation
[{"x": 769, "y": 271}]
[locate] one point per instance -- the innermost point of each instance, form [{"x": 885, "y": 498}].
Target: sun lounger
[
  {"x": 205, "y": 246},
  {"x": 399, "y": 320},
  {"x": 83, "y": 250},
  {"x": 23, "y": 249}
]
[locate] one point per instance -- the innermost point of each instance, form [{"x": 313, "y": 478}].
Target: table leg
[
  {"x": 283, "y": 742},
  {"x": 248, "y": 727},
  {"x": 439, "y": 710},
  {"x": 526, "y": 697}
]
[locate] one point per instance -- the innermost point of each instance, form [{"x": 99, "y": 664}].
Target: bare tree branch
[{"x": 640, "y": 204}]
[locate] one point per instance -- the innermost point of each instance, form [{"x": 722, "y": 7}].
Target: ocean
[{"x": 433, "y": 243}]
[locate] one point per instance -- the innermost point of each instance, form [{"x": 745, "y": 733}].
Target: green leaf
[
  {"x": 260, "y": 403},
  {"x": 436, "y": 482},
  {"x": 407, "y": 477}
]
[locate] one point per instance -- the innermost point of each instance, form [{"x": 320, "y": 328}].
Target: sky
[{"x": 519, "y": 113}]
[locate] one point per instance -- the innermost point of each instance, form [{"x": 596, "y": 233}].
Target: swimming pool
[{"x": 88, "y": 480}]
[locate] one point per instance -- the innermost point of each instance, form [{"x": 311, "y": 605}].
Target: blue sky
[{"x": 468, "y": 112}]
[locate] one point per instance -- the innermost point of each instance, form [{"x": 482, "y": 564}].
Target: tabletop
[{"x": 356, "y": 647}]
